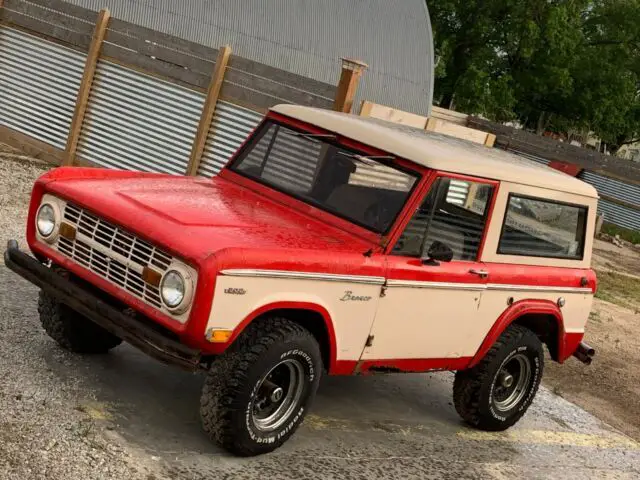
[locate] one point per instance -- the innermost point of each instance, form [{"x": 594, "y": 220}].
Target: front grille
[{"x": 112, "y": 253}]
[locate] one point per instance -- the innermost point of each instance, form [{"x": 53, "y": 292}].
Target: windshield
[{"x": 364, "y": 189}]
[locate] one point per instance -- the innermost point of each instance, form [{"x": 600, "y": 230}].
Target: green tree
[{"x": 560, "y": 64}]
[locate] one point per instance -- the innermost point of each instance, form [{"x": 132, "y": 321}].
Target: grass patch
[
  {"x": 627, "y": 234},
  {"x": 619, "y": 289}
]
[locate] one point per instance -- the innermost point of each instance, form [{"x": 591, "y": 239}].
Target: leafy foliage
[{"x": 550, "y": 64}]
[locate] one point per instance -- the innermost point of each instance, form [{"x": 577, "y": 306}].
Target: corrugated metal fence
[
  {"x": 230, "y": 126},
  {"x": 139, "y": 122},
  {"x": 147, "y": 95},
  {"x": 39, "y": 82}
]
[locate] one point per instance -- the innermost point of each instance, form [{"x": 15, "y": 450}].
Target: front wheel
[
  {"x": 496, "y": 393},
  {"x": 256, "y": 395},
  {"x": 73, "y": 331}
]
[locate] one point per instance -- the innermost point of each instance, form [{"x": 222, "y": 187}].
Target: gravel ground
[{"x": 16, "y": 180}]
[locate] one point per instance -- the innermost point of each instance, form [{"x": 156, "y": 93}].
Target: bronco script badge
[{"x": 349, "y": 296}]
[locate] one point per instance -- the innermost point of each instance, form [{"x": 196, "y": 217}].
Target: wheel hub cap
[
  {"x": 506, "y": 379},
  {"x": 278, "y": 395},
  {"x": 512, "y": 382}
]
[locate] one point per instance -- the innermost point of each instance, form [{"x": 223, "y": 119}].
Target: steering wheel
[{"x": 378, "y": 216}]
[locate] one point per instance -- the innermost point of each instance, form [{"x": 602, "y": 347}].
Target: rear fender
[{"x": 513, "y": 313}]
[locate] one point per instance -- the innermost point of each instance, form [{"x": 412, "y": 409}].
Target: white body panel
[
  {"x": 420, "y": 321},
  {"x": 352, "y": 319},
  {"x": 413, "y": 320}
]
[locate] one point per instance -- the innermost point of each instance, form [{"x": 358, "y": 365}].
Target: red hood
[{"x": 194, "y": 217}]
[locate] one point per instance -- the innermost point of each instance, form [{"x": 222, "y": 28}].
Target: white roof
[{"x": 439, "y": 152}]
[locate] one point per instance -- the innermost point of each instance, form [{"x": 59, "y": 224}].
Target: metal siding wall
[
  {"x": 613, "y": 188},
  {"x": 39, "y": 82},
  {"x": 138, "y": 122},
  {"x": 619, "y": 215},
  {"x": 613, "y": 213},
  {"x": 308, "y": 37},
  {"x": 230, "y": 127}
]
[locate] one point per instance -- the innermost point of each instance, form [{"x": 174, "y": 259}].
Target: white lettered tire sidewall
[
  {"x": 310, "y": 359},
  {"x": 535, "y": 357}
]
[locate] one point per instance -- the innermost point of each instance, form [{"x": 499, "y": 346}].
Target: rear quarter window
[{"x": 537, "y": 227}]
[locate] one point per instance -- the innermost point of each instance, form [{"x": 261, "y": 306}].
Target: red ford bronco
[{"x": 330, "y": 244}]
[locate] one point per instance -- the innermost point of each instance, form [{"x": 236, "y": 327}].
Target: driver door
[{"x": 429, "y": 309}]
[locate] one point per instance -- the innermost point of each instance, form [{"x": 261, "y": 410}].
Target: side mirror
[{"x": 438, "y": 252}]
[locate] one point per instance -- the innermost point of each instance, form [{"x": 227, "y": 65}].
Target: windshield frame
[{"x": 343, "y": 143}]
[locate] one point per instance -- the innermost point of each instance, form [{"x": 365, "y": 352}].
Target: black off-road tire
[
  {"x": 73, "y": 331},
  {"x": 232, "y": 384},
  {"x": 473, "y": 388}
]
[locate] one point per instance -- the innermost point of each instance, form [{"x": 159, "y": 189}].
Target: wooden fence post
[
  {"x": 85, "y": 86},
  {"x": 208, "y": 110},
  {"x": 349, "y": 79}
]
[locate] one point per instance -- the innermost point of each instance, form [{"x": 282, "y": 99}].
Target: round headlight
[
  {"x": 46, "y": 220},
  {"x": 172, "y": 289}
]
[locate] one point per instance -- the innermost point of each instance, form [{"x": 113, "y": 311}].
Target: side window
[
  {"x": 543, "y": 228},
  {"x": 453, "y": 212}
]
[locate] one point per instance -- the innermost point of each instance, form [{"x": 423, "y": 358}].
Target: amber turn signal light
[
  {"x": 219, "y": 336},
  {"x": 152, "y": 277},
  {"x": 67, "y": 231}
]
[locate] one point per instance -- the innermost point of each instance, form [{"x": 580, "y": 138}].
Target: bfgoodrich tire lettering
[
  {"x": 236, "y": 382},
  {"x": 475, "y": 390},
  {"x": 73, "y": 331}
]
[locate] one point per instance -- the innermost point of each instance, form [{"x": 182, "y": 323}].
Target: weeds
[{"x": 619, "y": 289}]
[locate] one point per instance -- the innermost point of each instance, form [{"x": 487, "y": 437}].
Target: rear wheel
[
  {"x": 497, "y": 392},
  {"x": 72, "y": 331},
  {"x": 256, "y": 395}
]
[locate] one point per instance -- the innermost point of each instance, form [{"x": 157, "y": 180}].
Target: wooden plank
[
  {"x": 526, "y": 142},
  {"x": 208, "y": 109},
  {"x": 365, "y": 108},
  {"x": 282, "y": 76},
  {"x": 153, "y": 66},
  {"x": 85, "y": 86},
  {"x": 281, "y": 93},
  {"x": 30, "y": 146},
  {"x": 250, "y": 106},
  {"x": 51, "y": 16},
  {"x": 449, "y": 115},
  {"x": 176, "y": 57},
  {"x": 490, "y": 141},
  {"x": 352, "y": 70},
  {"x": 65, "y": 7},
  {"x": 42, "y": 28},
  {"x": 394, "y": 115},
  {"x": 136, "y": 31},
  {"x": 455, "y": 130},
  {"x": 257, "y": 101}
]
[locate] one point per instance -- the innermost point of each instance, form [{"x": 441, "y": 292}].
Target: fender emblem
[
  {"x": 235, "y": 291},
  {"x": 349, "y": 296}
]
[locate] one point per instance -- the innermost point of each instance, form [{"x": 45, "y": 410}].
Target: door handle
[{"x": 480, "y": 273}]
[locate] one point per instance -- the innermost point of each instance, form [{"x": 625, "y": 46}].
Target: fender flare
[
  {"x": 510, "y": 315},
  {"x": 284, "y": 305}
]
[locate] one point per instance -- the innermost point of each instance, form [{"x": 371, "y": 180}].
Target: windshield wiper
[
  {"x": 370, "y": 160},
  {"x": 311, "y": 136}
]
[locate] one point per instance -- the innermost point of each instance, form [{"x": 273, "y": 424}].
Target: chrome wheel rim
[
  {"x": 511, "y": 383},
  {"x": 278, "y": 395}
]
